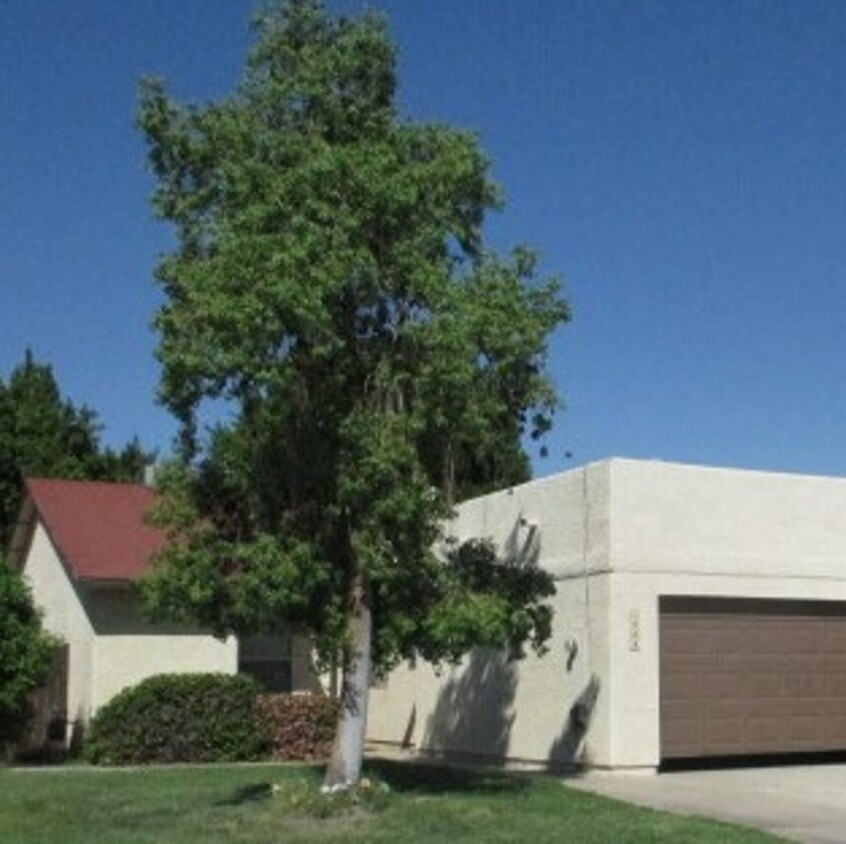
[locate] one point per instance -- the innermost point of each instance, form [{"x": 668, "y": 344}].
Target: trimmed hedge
[
  {"x": 179, "y": 718},
  {"x": 300, "y": 726}
]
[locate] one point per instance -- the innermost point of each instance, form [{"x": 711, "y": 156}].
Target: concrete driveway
[{"x": 801, "y": 803}]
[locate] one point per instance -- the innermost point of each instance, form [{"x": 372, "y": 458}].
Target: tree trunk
[{"x": 344, "y": 768}]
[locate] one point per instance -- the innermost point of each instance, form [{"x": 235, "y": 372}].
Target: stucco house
[
  {"x": 699, "y": 612},
  {"x": 81, "y": 545}
]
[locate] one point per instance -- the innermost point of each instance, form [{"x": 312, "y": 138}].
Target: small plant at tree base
[
  {"x": 300, "y": 797},
  {"x": 331, "y": 284}
]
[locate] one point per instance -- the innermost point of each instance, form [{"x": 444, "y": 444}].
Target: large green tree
[
  {"x": 331, "y": 287},
  {"x": 43, "y": 434}
]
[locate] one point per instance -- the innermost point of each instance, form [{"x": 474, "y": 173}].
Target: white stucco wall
[
  {"x": 128, "y": 649},
  {"x": 62, "y": 614},
  {"x": 523, "y": 709},
  {"x": 569, "y": 510},
  {"x": 121, "y": 661},
  {"x": 617, "y": 535},
  {"x": 110, "y": 645},
  {"x": 693, "y": 530},
  {"x": 668, "y": 517},
  {"x": 490, "y": 706}
]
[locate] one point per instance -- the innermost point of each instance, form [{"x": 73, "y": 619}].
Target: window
[{"x": 268, "y": 660}]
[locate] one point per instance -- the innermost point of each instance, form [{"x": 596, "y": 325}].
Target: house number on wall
[{"x": 634, "y": 630}]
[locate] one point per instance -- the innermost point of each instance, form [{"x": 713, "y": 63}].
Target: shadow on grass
[
  {"x": 401, "y": 777},
  {"x": 436, "y": 779},
  {"x": 252, "y": 793}
]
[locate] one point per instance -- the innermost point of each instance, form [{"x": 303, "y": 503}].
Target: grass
[{"x": 256, "y": 804}]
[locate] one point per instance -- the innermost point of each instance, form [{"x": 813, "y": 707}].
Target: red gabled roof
[{"x": 98, "y": 528}]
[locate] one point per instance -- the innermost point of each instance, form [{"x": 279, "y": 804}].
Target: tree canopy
[
  {"x": 45, "y": 435},
  {"x": 331, "y": 288}
]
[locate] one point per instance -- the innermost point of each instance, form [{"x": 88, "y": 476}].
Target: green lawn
[{"x": 409, "y": 804}]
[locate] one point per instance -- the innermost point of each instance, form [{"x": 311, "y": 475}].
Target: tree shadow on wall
[
  {"x": 522, "y": 546},
  {"x": 567, "y": 751},
  {"x": 474, "y": 712}
]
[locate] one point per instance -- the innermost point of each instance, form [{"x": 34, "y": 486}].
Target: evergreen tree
[{"x": 45, "y": 435}]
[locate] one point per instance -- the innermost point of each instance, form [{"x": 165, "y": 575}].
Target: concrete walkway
[{"x": 800, "y": 803}]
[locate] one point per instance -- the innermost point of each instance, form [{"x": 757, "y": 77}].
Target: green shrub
[
  {"x": 179, "y": 718},
  {"x": 26, "y": 653},
  {"x": 300, "y": 726}
]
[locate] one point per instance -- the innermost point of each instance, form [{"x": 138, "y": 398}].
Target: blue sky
[{"x": 681, "y": 165}]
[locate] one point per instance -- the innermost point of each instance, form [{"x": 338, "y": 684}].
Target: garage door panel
[
  {"x": 751, "y": 677},
  {"x": 754, "y": 639},
  {"x": 762, "y": 730},
  {"x": 798, "y": 707},
  {"x": 740, "y": 664}
]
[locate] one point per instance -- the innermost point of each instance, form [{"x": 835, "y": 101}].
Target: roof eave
[
  {"x": 23, "y": 532},
  {"x": 106, "y": 582}
]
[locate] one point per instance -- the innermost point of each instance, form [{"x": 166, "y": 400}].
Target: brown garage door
[{"x": 751, "y": 676}]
